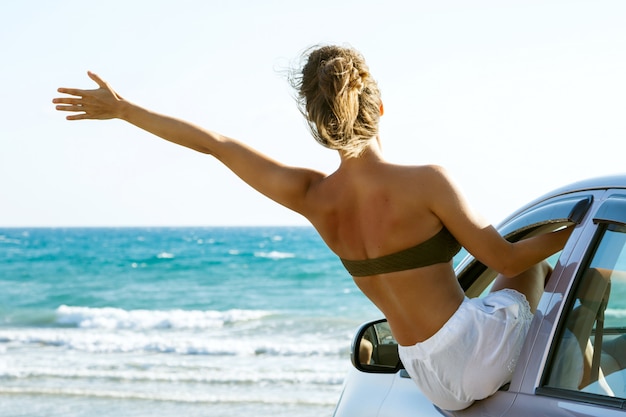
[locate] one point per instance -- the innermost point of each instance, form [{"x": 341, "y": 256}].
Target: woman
[{"x": 369, "y": 212}]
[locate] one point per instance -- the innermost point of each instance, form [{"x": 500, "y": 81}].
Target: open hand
[{"x": 101, "y": 103}]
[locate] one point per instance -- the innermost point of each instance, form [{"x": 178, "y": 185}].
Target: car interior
[{"x": 590, "y": 355}]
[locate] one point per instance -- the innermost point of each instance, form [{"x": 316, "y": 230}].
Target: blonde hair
[{"x": 339, "y": 98}]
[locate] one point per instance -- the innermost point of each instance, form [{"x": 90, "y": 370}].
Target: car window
[{"x": 590, "y": 353}]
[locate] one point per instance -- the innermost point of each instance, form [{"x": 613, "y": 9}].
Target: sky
[{"x": 513, "y": 97}]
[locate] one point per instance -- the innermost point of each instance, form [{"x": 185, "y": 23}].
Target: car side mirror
[{"x": 374, "y": 349}]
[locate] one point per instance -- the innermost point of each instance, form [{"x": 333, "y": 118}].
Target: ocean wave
[
  {"x": 616, "y": 313},
  {"x": 117, "y": 318},
  {"x": 7, "y": 240},
  {"x": 276, "y": 255},
  {"x": 180, "y": 343}
]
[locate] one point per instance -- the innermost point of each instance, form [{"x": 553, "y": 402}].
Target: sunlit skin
[{"x": 368, "y": 207}]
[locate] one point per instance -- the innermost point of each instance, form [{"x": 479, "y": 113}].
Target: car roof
[
  {"x": 613, "y": 181},
  {"x": 596, "y": 183}
]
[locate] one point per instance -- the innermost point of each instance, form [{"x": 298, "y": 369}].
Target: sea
[{"x": 169, "y": 321}]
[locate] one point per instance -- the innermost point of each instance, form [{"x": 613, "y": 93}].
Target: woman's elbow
[
  {"x": 507, "y": 263},
  {"x": 510, "y": 271}
]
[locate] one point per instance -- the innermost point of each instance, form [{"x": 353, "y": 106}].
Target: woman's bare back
[{"x": 369, "y": 208}]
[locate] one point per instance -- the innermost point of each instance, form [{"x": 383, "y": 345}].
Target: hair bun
[
  {"x": 339, "y": 76},
  {"x": 356, "y": 81}
]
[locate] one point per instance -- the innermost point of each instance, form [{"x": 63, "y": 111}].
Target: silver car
[{"x": 573, "y": 362}]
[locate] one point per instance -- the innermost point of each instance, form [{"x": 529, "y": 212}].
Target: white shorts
[{"x": 474, "y": 353}]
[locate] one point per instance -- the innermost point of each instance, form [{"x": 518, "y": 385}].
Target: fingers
[
  {"x": 73, "y": 107},
  {"x": 80, "y": 92},
  {"x": 67, "y": 100},
  {"x": 75, "y": 116},
  {"x": 72, "y": 91},
  {"x": 101, "y": 83},
  {"x": 80, "y": 116},
  {"x": 68, "y": 104}
]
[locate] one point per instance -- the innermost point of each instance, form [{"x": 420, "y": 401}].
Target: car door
[{"x": 578, "y": 364}]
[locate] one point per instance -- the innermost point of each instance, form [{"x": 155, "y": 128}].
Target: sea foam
[
  {"x": 117, "y": 318},
  {"x": 179, "y": 342},
  {"x": 276, "y": 255}
]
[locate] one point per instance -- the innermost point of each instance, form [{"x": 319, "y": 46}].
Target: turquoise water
[{"x": 167, "y": 321}]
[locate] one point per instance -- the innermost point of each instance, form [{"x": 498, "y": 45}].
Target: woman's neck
[{"x": 371, "y": 153}]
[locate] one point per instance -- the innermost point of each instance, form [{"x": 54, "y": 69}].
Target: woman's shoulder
[{"x": 428, "y": 172}]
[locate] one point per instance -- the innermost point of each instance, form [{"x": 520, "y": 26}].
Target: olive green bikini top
[{"x": 438, "y": 249}]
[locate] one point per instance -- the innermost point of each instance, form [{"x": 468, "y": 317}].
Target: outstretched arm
[{"x": 286, "y": 185}]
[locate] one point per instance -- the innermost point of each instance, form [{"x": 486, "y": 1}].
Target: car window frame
[{"x": 610, "y": 213}]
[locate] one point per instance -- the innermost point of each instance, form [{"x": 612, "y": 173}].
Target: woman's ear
[{"x": 382, "y": 108}]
